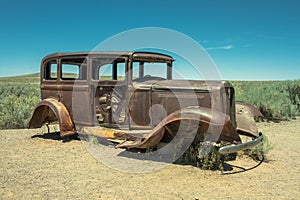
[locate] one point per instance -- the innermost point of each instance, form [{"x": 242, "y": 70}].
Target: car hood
[{"x": 180, "y": 85}]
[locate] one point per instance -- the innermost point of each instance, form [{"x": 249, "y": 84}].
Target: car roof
[{"x": 108, "y": 54}]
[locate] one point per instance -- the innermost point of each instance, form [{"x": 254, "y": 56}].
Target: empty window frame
[
  {"x": 111, "y": 71},
  {"x": 73, "y": 69},
  {"x": 50, "y": 72}
]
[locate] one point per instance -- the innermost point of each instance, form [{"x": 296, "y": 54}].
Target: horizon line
[{"x": 296, "y": 79}]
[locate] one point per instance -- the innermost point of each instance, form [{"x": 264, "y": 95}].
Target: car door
[
  {"x": 49, "y": 79},
  {"x": 74, "y": 89},
  {"x": 109, "y": 81}
]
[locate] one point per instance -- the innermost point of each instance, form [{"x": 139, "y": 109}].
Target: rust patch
[
  {"x": 245, "y": 114},
  {"x": 49, "y": 110}
]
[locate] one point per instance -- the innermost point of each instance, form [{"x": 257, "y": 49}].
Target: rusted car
[{"x": 132, "y": 99}]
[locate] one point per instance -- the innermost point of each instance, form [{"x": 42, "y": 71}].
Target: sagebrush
[
  {"x": 259, "y": 151},
  {"x": 277, "y": 100},
  {"x": 18, "y": 97},
  {"x": 212, "y": 159}
]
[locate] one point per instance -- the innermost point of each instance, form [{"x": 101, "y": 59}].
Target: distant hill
[
  {"x": 35, "y": 78},
  {"x": 31, "y": 78},
  {"x": 24, "y": 76}
]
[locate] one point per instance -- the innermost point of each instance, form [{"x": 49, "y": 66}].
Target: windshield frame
[{"x": 141, "y": 60}]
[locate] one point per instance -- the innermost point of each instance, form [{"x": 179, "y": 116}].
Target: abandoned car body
[{"x": 116, "y": 95}]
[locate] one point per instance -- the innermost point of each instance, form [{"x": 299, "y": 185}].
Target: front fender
[
  {"x": 49, "y": 110},
  {"x": 195, "y": 113},
  {"x": 245, "y": 114}
]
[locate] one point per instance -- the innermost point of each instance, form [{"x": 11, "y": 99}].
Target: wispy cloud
[{"x": 227, "y": 47}]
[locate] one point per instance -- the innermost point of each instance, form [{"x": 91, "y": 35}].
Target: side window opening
[
  {"x": 70, "y": 71},
  {"x": 73, "y": 69},
  {"x": 51, "y": 70},
  {"x": 112, "y": 71},
  {"x": 137, "y": 71},
  {"x": 121, "y": 71},
  {"x": 105, "y": 72}
]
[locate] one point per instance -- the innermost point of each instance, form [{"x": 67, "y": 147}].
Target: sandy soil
[{"x": 46, "y": 168}]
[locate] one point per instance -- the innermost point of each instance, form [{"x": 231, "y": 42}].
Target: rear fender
[{"x": 49, "y": 110}]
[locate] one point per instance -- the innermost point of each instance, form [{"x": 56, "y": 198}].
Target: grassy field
[
  {"x": 18, "y": 97},
  {"x": 277, "y": 100}
]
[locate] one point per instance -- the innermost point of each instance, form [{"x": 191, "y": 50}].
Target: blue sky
[{"x": 248, "y": 40}]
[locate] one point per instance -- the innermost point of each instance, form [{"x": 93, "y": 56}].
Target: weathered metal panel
[
  {"x": 49, "y": 110},
  {"x": 245, "y": 114},
  {"x": 194, "y": 113}
]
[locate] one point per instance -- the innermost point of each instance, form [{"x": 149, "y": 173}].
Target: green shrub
[
  {"x": 277, "y": 100},
  {"x": 17, "y": 102},
  {"x": 259, "y": 151},
  {"x": 205, "y": 156},
  {"x": 208, "y": 157}
]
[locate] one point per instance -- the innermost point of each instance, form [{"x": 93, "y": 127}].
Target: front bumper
[{"x": 239, "y": 147}]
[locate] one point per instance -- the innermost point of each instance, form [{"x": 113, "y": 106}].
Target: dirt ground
[{"x": 42, "y": 167}]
